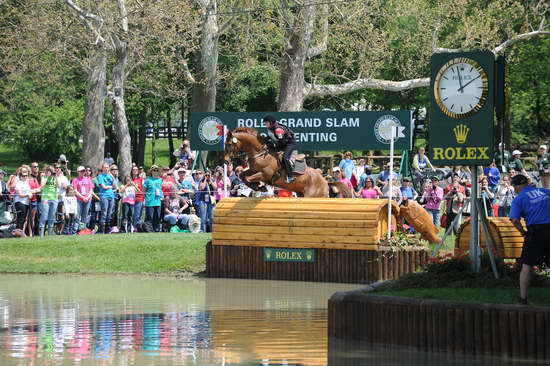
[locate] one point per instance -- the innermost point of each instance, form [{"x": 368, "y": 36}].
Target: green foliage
[
  {"x": 528, "y": 89},
  {"x": 250, "y": 88},
  {"x": 42, "y": 120}
]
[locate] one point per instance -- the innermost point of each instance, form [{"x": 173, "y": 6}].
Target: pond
[{"x": 119, "y": 320}]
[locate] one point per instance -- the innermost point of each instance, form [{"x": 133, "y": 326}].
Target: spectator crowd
[{"x": 48, "y": 200}]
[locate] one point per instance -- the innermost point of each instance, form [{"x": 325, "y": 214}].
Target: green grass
[
  {"x": 155, "y": 253},
  {"x": 537, "y": 295},
  {"x": 10, "y": 159}
]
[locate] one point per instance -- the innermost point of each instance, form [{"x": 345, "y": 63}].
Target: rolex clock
[
  {"x": 461, "y": 87},
  {"x": 461, "y": 108}
]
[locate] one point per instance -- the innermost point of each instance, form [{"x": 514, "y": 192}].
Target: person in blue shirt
[
  {"x": 106, "y": 184},
  {"x": 493, "y": 174},
  {"x": 152, "y": 187},
  {"x": 347, "y": 165},
  {"x": 533, "y": 205}
]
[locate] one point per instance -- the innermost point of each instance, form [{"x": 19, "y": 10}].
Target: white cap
[
  {"x": 80, "y": 168},
  {"x": 516, "y": 152},
  {"x": 336, "y": 169},
  {"x": 543, "y": 147}
]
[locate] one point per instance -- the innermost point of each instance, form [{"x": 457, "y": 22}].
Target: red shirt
[
  {"x": 33, "y": 183},
  {"x": 167, "y": 182},
  {"x": 139, "y": 184}
]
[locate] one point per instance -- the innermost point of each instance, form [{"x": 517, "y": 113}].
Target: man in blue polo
[{"x": 532, "y": 204}]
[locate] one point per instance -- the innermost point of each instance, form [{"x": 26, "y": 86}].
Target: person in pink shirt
[
  {"x": 218, "y": 180},
  {"x": 128, "y": 192},
  {"x": 370, "y": 190},
  {"x": 433, "y": 195},
  {"x": 83, "y": 189}
]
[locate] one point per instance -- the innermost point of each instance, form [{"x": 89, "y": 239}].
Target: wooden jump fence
[
  {"x": 335, "y": 240},
  {"x": 508, "y": 240},
  {"x": 509, "y": 331}
]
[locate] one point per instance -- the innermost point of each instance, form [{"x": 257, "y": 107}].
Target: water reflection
[
  {"x": 347, "y": 353},
  {"x": 56, "y": 320}
]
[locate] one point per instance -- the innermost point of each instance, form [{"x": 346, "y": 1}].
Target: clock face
[{"x": 461, "y": 88}]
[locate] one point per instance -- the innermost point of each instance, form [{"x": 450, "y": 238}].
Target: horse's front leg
[{"x": 253, "y": 179}]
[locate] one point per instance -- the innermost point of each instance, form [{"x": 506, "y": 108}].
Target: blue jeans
[
  {"x": 138, "y": 207},
  {"x": 107, "y": 207},
  {"x": 173, "y": 219},
  {"x": 152, "y": 215},
  {"x": 435, "y": 216},
  {"x": 205, "y": 214},
  {"x": 82, "y": 209},
  {"x": 48, "y": 208}
]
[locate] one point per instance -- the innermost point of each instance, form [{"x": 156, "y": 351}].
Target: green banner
[
  {"x": 313, "y": 130},
  {"x": 462, "y": 91},
  {"x": 289, "y": 255}
]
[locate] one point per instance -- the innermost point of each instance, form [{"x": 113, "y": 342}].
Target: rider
[{"x": 284, "y": 140}]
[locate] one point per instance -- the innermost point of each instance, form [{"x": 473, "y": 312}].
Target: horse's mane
[{"x": 247, "y": 130}]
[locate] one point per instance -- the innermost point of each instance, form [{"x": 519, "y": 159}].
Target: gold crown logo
[{"x": 461, "y": 133}]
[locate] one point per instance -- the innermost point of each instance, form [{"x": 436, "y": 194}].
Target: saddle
[{"x": 298, "y": 162}]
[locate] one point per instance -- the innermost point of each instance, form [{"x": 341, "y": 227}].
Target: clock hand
[
  {"x": 468, "y": 83},
  {"x": 461, "y": 89}
]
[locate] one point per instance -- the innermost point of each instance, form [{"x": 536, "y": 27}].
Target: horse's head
[
  {"x": 241, "y": 139},
  {"x": 232, "y": 146}
]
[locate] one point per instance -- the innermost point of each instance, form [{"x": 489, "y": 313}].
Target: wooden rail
[
  {"x": 330, "y": 265},
  {"x": 512, "y": 331}
]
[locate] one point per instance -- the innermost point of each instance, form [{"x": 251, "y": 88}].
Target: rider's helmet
[{"x": 269, "y": 118}]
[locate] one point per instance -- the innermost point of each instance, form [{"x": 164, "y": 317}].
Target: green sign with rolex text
[
  {"x": 462, "y": 108},
  {"x": 289, "y": 255}
]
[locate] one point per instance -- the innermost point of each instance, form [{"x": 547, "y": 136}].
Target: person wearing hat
[
  {"x": 433, "y": 196},
  {"x": 533, "y": 205},
  {"x": 543, "y": 165},
  {"x": 516, "y": 163},
  {"x": 184, "y": 184},
  {"x": 83, "y": 189},
  {"x": 283, "y": 139}
]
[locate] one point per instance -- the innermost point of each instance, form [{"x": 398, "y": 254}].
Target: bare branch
[
  {"x": 311, "y": 90},
  {"x": 518, "y": 38},
  {"x": 322, "y": 46}
]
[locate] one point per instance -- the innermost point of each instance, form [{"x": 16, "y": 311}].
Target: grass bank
[
  {"x": 155, "y": 253},
  {"x": 537, "y": 295}
]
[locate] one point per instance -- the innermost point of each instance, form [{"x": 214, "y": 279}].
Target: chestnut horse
[{"x": 265, "y": 166}]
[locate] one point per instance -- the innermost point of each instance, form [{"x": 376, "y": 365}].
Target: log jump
[{"x": 307, "y": 239}]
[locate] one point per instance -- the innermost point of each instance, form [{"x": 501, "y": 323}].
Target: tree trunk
[
  {"x": 93, "y": 131},
  {"x": 139, "y": 151},
  {"x": 204, "y": 90},
  {"x": 203, "y": 96},
  {"x": 170, "y": 137},
  {"x": 121, "y": 126},
  {"x": 297, "y": 41}
]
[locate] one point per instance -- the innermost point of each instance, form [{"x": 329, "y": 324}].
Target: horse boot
[{"x": 288, "y": 168}]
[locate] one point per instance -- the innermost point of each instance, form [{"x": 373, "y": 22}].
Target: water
[{"x": 73, "y": 320}]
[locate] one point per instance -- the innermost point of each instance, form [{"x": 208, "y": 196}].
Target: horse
[{"x": 265, "y": 165}]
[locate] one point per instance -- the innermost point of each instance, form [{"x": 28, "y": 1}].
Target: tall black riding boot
[{"x": 288, "y": 167}]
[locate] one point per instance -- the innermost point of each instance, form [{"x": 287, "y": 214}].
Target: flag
[{"x": 222, "y": 131}]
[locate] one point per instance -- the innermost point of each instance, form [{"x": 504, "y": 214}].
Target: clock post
[{"x": 462, "y": 119}]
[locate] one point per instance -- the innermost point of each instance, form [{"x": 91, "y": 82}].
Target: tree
[{"x": 370, "y": 36}]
